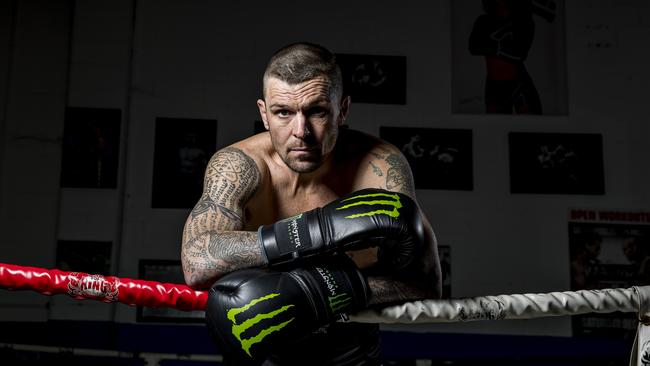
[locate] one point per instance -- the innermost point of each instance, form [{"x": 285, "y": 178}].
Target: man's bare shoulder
[
  {"x": 255, "y": 149},
  {"x": 381, "y": 164},
  {"x": 240, "y": 166}
]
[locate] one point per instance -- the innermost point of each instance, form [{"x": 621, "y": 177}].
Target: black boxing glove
[
  {"x": 253, "y": 312},
  {"x": 366, "y": 218}
]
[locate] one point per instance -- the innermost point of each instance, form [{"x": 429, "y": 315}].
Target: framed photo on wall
[
  {"x": 508, "y": 57},
  {"x": 182, "y": 151},
  {"x": 608, "y": 255},
  {"x": 374, "y": 78},
  {"x": 91, "y": 147},
  {"x": 439, "y": 158},
  {"x": 556, "y": 163},
  {"x": 164, "y": 271}
]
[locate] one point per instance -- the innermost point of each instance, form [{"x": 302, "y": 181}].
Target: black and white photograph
[
  {"x": 556, "y": 163},
  {"x": 608, "y": 255},
  {"x": 376, "y": 79},
  {"x": 91, "y": 148},
  {"x": 439, "y": 158},
  {"x": 508, "y": 57},
  {"x": 301, "y": 163},
  {"x": 183, "y": 149}
]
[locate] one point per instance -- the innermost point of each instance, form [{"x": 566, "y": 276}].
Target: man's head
[
  {"x": 303, "y": 104},
  {"x": 300, "y": 62},
  {"x": 592, "y": 243},
  {"x": 635, "y": 248}
]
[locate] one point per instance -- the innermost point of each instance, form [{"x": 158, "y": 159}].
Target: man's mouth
[{"x": 303, "y": 149}]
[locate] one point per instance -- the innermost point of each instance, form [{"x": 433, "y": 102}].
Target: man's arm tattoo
[
  {"x": 230, "y": 180},
  {"x": 214, "y": 254},
  {"x": 233, "y": 249},
  {"x": 206, "y": 205},
  {"x": 213, "y": 244}
]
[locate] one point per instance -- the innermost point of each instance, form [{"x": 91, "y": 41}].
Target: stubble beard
[{"x": 302, "y": 166}]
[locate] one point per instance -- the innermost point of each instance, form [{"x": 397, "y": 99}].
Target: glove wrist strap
[{"x": 287, "y": 239}]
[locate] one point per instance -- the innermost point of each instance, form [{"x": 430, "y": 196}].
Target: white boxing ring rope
[
  {"x": 523, "y": 306},
  {"x": 526, "y": 306}
]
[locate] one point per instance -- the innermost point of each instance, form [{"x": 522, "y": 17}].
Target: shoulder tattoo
[
  {"x": 230, "y": 181},
  {"x": 398, "y": 174},
  {"x": 376, "y": 170}
]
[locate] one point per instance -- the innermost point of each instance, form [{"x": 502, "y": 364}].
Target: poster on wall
[
  {"x": 183, "y": 148},
  {"x": 93, "y": 257},
  {"x": 439, "y": 158},
  {"x": 374, "y": 78},
  {"x": 164, "y": 271},
  {"x": 608, "y": 249},
  {"x": 91, "y": 147},
  {"x": 508, "y": 57},
  {"x": 556, "y": 163}
]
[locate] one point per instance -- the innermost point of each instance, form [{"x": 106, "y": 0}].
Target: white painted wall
[{"x": 204, "y": 59}]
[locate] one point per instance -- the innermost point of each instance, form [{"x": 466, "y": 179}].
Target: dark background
[{"x": 203, "y": 60}]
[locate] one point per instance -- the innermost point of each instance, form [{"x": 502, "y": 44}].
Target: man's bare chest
[
  {"x": 277, "y": 204},
  {"x": 272, "y": 205}
]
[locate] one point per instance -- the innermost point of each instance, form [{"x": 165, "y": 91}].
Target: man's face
[
  {"x": 630, "y": 249},
  {"x": 303, "y": 121},
  {"x": 593, "y": 248}
]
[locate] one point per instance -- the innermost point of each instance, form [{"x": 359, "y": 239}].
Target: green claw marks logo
[
  {"x": 339, "y": 302},
  {"x": 238, "y": 329},
  {"x": 373, "y": 199}
]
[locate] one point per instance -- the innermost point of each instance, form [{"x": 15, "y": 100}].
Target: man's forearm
[
  {"x": 389, "y": 290},
  {"x": 210, "y": 255}
]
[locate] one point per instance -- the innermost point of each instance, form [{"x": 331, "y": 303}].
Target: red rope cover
[{"x": 96, "y": 287}]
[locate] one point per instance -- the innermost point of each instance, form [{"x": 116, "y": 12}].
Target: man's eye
[
  {"x": 319, "y": 112},
  {"x": 283, "y": 113}
]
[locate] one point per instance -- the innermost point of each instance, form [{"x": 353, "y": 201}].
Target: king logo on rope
[{"x": 92, "y": 286}]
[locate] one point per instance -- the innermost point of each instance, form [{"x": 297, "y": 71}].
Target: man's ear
[
  {"x": 344, "y": 109},
  {"x": 262, "y": 107}
]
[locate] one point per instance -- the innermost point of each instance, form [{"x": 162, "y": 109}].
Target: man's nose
[{"x": 301, "y": 126}]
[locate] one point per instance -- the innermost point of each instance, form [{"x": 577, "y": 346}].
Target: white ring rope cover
[
  {"x": 526, "y": 306},
  {"x": 520, "y": 306}
]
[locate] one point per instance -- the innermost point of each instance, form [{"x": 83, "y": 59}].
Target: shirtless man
[{"x": 255, "y": 191}]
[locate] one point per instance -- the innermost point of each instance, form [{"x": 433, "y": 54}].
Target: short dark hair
[{"x": 303, "y": 61}]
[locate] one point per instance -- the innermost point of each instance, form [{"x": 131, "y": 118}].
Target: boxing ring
[{"x": 135, "y": 292}]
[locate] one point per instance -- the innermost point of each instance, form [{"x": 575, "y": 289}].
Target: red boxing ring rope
[{"x": 106, "y": 289}]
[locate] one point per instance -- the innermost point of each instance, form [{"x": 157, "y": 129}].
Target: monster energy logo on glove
[
  {"x": 238, "y": 329},
  {"x": 337, "y": 301},
  {"x": 373, "y": 199}
]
